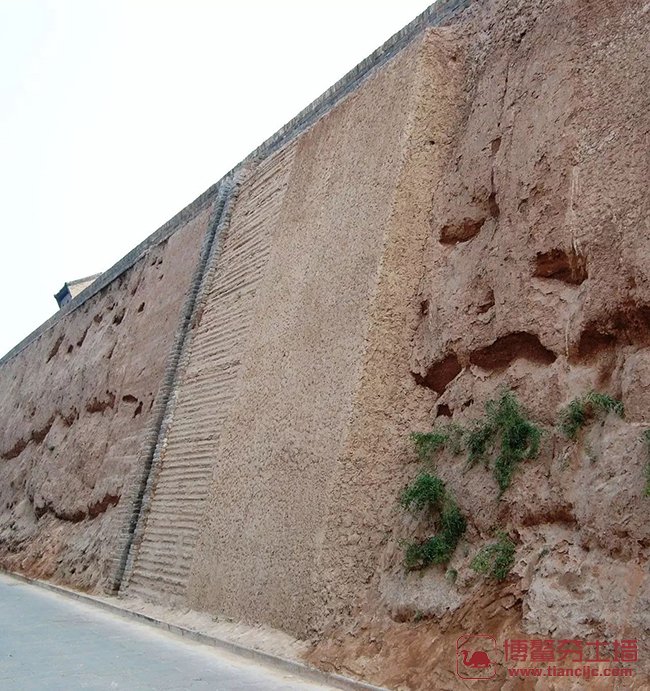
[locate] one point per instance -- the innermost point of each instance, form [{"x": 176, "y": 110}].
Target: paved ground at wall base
[{"x": 48, "y": 640}]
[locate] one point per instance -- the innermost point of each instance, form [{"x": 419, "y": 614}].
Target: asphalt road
[{"x": 50, "y": 642}]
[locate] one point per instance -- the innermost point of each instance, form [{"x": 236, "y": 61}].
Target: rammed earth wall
[{"x": 463, "y": 212}]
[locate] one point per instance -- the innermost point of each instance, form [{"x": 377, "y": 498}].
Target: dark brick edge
[{"x": 150, "y": 455}]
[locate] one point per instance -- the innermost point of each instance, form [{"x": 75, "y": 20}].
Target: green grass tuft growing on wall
[
  {"x": 439, "y": 548},
  {"x": 428, "y": 493},
  {"x": 506, "y": 432},
  {"x": 577, "y": 414},
  {"x": 504, "y": 437},
  {"x": 497, "y": 559},
  {"x": 427, "y": 443},
  {"x": 605, "y": 403},
  {"x": 425, "y": 492}
]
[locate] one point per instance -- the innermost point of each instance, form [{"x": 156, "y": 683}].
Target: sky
[{"x": 115, "y": 114}]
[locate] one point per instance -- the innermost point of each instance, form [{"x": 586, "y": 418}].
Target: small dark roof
[{"x": 64, "y": 295}]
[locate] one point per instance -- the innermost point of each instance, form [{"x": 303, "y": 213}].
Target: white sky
[{"x": 115, "y": 114}]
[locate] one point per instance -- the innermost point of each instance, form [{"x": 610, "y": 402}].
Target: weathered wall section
[
  {"x": 76, "y": 402},
  {"x": 534, "y": 278},
  {"x": 70, "y": 450},
  {"x": 468, "y": 213},
  {"x": 359, "y": 540}
]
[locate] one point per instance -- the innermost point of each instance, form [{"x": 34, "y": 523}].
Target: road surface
[{"x": 50, "y": 642}]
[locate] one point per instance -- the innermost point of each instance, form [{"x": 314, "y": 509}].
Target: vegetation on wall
[
  {"x": 581, "y": 410},
  {"x": 506, "y": 434},
  {"x": 448, "y": 436},
  {"x": 497, "y": 559},
  {"x": 428, "y": 493},
  {"x": 501, "y": 440},
  {"x": 427, "y": 443},
  {"x": 425, "y": 492}
]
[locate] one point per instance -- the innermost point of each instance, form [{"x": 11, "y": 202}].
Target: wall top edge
[{"x": 440, "y": 13}]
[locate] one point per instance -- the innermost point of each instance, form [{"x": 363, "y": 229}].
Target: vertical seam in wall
[{"x": 154, "y": 442}]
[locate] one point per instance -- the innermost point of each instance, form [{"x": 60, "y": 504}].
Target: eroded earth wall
[
  {"x": 470, "y": 217},
  {"x": 282, "y": 443},
  {"x": 534, "y": 278},
  {"x": 75, "y": 405},
  {"x": 237, "y": 518}
]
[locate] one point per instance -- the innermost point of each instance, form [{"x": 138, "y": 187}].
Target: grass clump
[
  {"x": 605, "y": 402},
  {"x": 506, "y": 431},
  {"x": 455, "y": 436},
  {"x": 453, "y": 523},
  {"x": 478, "y": 439},
  {"x": 426, "y": 491},
  {"x": 419, "y": 555},
  {"x": 446, "y": 436},
  {"x": 519, "y": 437},
  {"x": 577, "y": 414},
  {"x": 505, "y": 434},
  {"x": 427, "y": 443},
  {"x": 573, "y": 418},
  {"x": 439, "y": 548},
  {"x": 497, "y": 559}
]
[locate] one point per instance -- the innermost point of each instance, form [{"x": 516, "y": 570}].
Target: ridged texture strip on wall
[
  {"x": 162, "y": 564},
  {"x": 134, "y": 510}
]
